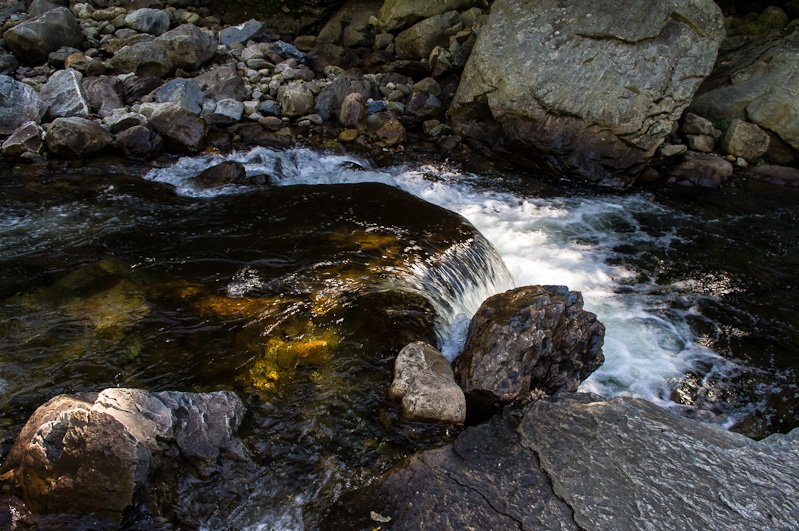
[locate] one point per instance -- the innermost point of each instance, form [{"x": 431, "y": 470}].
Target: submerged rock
[
  {"x": 700, "y": 170},
  {"x": 587, "y": 89},
  {"x": 580, "y": 462}
]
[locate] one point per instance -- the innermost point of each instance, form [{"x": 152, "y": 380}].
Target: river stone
[
  {"x": 32, "y": 41},
  {"x": 228, "y": 172},
  {"x": 103, "y": 94},
  {"x": 353, "y": 111},
  {"x": 784, "y": 175},
  {"x": 40, "y": 7},
  {"x": 296, "y": 100},
  {"x": 700, "y": 170},
  {"x": 147, "y": 20},
  {"x": 136, "y": 87},
  {"x": 250, "y": 30},
  {"x": 27, "y": 138},
  {"x": 145, "y": 59},
  {"x": 139, "y": 143},
  {"x": 74, "y": 137},
  {"x": 424, "y": 384},
  {"x": 182, "y": 129},
  {"x": 701, "y": 143},
  {"x": 64, "y": 95},
  {"x": 586, "y": 89},
  {"x": 121, "y": 119},
  {"x": 386, "y": 129},
  {"x": 744, "y": 139},
  {"x": 92, "y": 455},
  {"x": 531, "y": 339},
  {"x": 188, "y": 47},
  {"x": 222, "y": 82},
  {"x": 398, "y": 14},
  {"x": 419, "y": 40},
  {"x": 583, "y": 462},
  {"x": 19, "y": 103},
  {"x": 328, "y": 104},
  {"x": 185, "y": 93},
  {"x": 226, "y": 112}
]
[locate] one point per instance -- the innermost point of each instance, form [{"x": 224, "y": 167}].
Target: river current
[{"x": 120, "y": 278}]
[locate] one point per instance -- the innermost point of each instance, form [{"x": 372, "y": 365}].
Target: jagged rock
[
  {"x": 92, "y": 455},
  {"x": 147, "y": 20},
  {"x": 386, "y": 129},
  {"x": 353, "y": 111},
  {"x": 425, "y": 386},
  {"x": 590, "y": 99},
  {"x": 270, "y": 109},
  {"x": 288, "y": 51},
  {"x": 701, "y": 170},
  {"x": 33, "y": 40},
  {"x": 185, "y": 93},
  {"x": 28, "y": 137},
  {"x": 743, "y": 139},
  {"x": 182, "y": 129},
  {"x": 139, "y": 143},
  {"x": 398, "y": 14},
  {"x": 581, "y": 462},
  {"x": 250, "y": 30},
  {"x": 222, "y": 82},
  {"x": 296, "y": 100},
  {"x": 121, "y": 119},
  {"x": 136, "y": 87},
  {"x": 419, "y": 40},
  {"x": 103, "y": 94},
  {"x": 226, "y": 112},
  {"x": 74, "y": 137},
  {"x": 64, "y": 95},
  {"x": 536, "y": 338},
  {"x": 328, "y": 104},
  {"x": 19, "y": 103},
  {"x": 228, "y": 172}
]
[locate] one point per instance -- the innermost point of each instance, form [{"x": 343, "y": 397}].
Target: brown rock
[
  {"x": 386, "y": 129},
  {"x": 228, "y": 172},
  {"x": 76, "y": 137},
  {"x": 775, "y": 174},
  {"x": 744, "y": 139},
  {"x": 296, "y": 100},
  {"x": 179, "y": 127},
  {"x": 139, "y": 143},
  {"x": 353, "y": 111},
  {"x": 700, "y": 170},
  {"x": 27, "y": 138}
]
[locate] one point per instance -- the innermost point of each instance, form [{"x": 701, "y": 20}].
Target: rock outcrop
[
  {"x": 531, "y": 339},
  {"x": 580, "y": 462},
  {"x": 587, "y": 89}
]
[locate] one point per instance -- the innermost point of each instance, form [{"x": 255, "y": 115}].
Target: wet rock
[
  {"x": 139, "y": 143},
  {"x": 296, "y": 100},
  {"x": 27, "y": 138},
  {"x": 93, "y": 455},
  {"x": 784, "y": 175},
  {"x": 424, "y": 107},
  {"x": 228, "y": 172},
  {"x": 353, "y": 111},
  {"x": 184, "y": 93},
  {"x": 288, "y": 51},
  {"x": 598, "y": 108},
  {"x": 147, "y": 20},
  {"x": 222, "y": 82},
  {"x": 186, "y": 47},
  {"x": 328, "y": 104},
  {"x": 103, "y": 94},
  {"x": 743, "y": 139},
  {"x": 75, "y": 138},
  {"x": 32, "y": 41},
  {"x": 425, "y": 386},
  {"x": 181, "y": 129},
  {"x": 419, "y": 40},
  {"x": 40, "y": 7},
  {"x": 398, "y": 14},
  {"x": 386, "y": 129},
  {"x": 134, "y": 88},
  {"x": 19, "y": 103},
  {"x": 247, "y": 31},
  {"x": 226, "y": 112},
  {"x": 270, "y": 108},
  {"x": 536, "y": 338},
  {"x": 373, "y": 107},
  {"x": 64, "y": 95},
  {"x": 701, "y": 170}
]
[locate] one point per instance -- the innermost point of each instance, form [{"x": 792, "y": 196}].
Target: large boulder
[
  {"x": 531, "y": 339},
  {"x": 586, "y": 89},
  {"x": 759, "y": 83},
  {"x": 744, "y": 139},
  {"x": 33, "y": 40},
  {"x": 252, "y": 29},
  {"x": 76, "y": 137},
  {"x": 424, "y": 384},
  {"x": 64, "y": 95},
  {"x": 183, "y": 130},
  {"x": 222, "y": 82},
  {"x": 328, "y": 104},
  {"x": 296, "y": 100},
  {"x": 398, "y": 14},
  {"x": 19, "y": 103},
  {"x": 92, "y": 455},
  {"x": 186, "y": 47},
  {"x": 145, "y": 59},
  {"x": 581, "y": 462}
]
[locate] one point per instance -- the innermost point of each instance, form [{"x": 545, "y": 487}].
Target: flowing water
[{"x": 299, "y": 296}]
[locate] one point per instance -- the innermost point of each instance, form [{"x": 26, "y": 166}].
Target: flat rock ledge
[{"x": 577, "y": 461}]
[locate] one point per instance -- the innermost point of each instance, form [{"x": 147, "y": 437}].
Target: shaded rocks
[
  {"x": 19, "y": 103},
  {"x": 424, "y": 384},
  {"x": 146, "y": 20},
  {"x": 184, "y": 93},
  {"x": 398, "y": 14},
  {"x": 182, "y": 129},
  {"x": 531, "y": 339},
  {"x": 139, "y": 143},
  {"x": 222, "y": 82},
  {"x": 228, "y": 172},
  {"x": 419, "y": 40},
  {"x": 95, "y": 454},
  {"x": 75, "y": 138},
  {"x": 353, "y": 111},
  {"x": 296, "y": 100},
  {"x": 746, "y": 140},
  {"x": 386, "y": 129},
  {"x": 250, "y": 30},
  {"x": 783, "y": 175},
  {"x": 328, "y": 104},
  {"x": 592, "y": 98},
  {"x": 64, "y": 95},
  {"x": 103, "y": 94},
  {"x": 225, "y": 112},
  {"x": 27, "y": 138},
  {"x": 700, "y": 170},
  {"x": 33, "y": 40},
  {"x": 186, "y": 47}
]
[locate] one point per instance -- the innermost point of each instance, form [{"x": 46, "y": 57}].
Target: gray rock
[
  {"x": 188, "y": 47},
  {"x": 121, "y": 119},
  {"x": 296, "y": 100},
  {"x": 136, "y": 87},
  {"x": 19, "y": 103},
  {"x": 270, "y": 108},
  {"x": 671, "y": 150},
  {"x": 743, "y": 139},
  {"x": 145, "y": 59},
  {"x": 784, "y": 175},
  {"x": 701, "y": 170},
  {"x": 226, "y": 112},
  {"x": 581, "y": 462},
  {"x": 139, "y": 143},
  {"x": 185, "y": 93},
  {"x": 182, "y": 129},
  {"x": 222, "y": 82},
  {"x": 398, "y": 14},
  {"x": 147, "y": 20},
  {"x": 288, "y": 51},
  {"x": 59, "y": 57},
  {"x": 592, "y": 98},
  {"x": 701, "y": 143},
  {"x": 76, "y": 138},
  {"x": 250, "y": 30},
  {"x": 40, "y": 7},
  {"x": 693, "y": 124},
  {"x": 328, "y": 104},
  {"x": 93, "y": 456},
  {"x": 225, "y": 173},
  {"x": 8, "y": 63},
  {"x": 419, "y": 40},
  {"x": 32, "y": 41},
  {"x": 373, "y": 107},
  {"x": 425, "y": 386},
  {"x": 64, "y": 95},
  {"x": 27, "y": 138},
  {"x": 104, "y": 94}
]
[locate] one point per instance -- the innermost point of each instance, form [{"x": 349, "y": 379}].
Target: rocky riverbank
[{"x": 586, "y": 95}]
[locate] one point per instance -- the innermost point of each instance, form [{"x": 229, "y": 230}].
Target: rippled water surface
[{"x": 299, "y": 296}]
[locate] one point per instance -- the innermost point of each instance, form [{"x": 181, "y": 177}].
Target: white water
[{"x": 566, "y": 241}]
